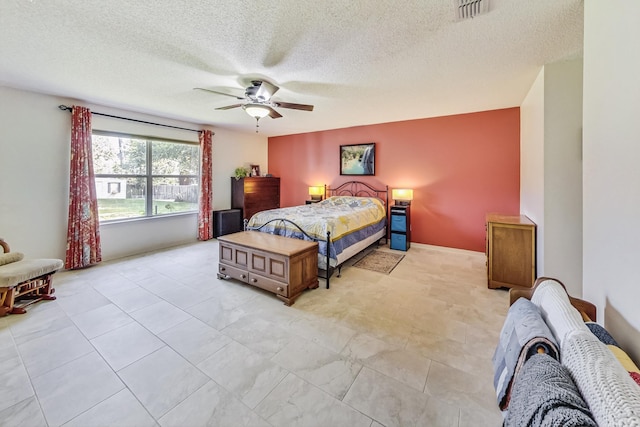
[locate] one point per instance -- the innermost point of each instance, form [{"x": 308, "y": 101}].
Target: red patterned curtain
[
  {"x": 205, "y": 231},
  {"x": 83, "y": 230}
]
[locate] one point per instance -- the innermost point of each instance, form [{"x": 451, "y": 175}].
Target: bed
[{"x": 352, "y": 217}]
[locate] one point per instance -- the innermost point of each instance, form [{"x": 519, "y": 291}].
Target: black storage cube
[{"x": 227, "y": 221}]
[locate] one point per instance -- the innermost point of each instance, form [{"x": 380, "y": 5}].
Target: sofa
[
  {"x": 24, "y": 281},
  {"x": 555, "y": 366}
]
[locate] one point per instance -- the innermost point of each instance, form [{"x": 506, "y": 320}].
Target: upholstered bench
[{"x": 24, "y": 281}]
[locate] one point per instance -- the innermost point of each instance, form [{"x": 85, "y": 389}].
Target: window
[{"x": 139, "y": 176}]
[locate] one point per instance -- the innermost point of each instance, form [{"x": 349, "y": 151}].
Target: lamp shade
[
  {"x": 404, "y": 194},
  {"x": 256, "y": 110},
  {"x": 316, "y": 192}
]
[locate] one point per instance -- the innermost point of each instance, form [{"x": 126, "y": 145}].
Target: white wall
[
  {"x": 34, "y": 161},
  {"x": 563, "y": 174},
  {"x": 231, "y": 150},
  {"x": 612, "y": 157},
  {"x": 532, "y": 162},
  {"x": 551, "y": 170}
]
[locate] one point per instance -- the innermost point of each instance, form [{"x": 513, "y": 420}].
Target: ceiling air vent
[{"x": 466, "y": 9}]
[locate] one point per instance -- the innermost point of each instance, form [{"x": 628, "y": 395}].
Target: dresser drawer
[
  {"x": 269, "y": 284},
  {"x": 233, "y": 272}
]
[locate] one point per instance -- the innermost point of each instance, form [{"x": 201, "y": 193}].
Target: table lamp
[
  {"x": 402, "y": 196},
  {"x": 316, "y": 192}
]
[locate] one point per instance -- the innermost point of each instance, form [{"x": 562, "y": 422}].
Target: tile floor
[{"x": 157, "y": 339}]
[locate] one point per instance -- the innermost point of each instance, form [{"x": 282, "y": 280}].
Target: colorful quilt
[{"x": 348, "y": 219}]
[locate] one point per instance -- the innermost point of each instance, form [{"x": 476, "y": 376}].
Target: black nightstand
[
  {"x": 308, "y": 202},
  {"x": 400, "y": 224}
]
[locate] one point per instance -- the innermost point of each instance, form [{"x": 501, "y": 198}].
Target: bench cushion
[{"x": 27, "y": 269}]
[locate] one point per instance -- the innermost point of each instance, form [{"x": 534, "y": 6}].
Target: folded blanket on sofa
[
  {"x": 612, "y": 395},
  {"x": 523, "y": 334},
  {"x": 556, "y": 309},
  {"x": 605, "y": 337},
  {"x": 545, "y": 395}
]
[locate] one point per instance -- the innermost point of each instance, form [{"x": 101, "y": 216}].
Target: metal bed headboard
[{"x": 358, "y": 189}]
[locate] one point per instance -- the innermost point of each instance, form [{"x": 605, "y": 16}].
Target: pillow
[
  {"x": 602, "y": 334},
  {"x": 624, "y": 359},
  {"x": 10, "y": 257},
  {"x": 635, "y": 376}
]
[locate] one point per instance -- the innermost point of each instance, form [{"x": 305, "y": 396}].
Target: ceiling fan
[{"x": 258, "y": 103}]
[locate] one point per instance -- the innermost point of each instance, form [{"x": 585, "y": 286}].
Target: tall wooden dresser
[
  {"x": 511, "y": 251},
  {"x": 255, "y": 194}
]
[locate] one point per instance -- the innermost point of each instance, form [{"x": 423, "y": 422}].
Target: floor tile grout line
[
  {"x": 24, "y": 366},
  {"x": 90, "y": 408},
  {"x": 302, "y": 315},
  {"x": 125, "y": 386}
]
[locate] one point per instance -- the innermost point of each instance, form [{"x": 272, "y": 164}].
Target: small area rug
[{"x": 379, "y": 261}]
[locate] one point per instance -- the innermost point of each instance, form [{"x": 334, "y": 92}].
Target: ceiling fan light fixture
[{"x": 257, "y": 111}]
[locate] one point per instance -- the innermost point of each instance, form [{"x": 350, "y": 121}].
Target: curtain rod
[{"x": 70, "y": 109}]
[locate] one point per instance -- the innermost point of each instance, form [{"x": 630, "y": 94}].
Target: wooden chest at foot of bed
[{"x": 277, "y": 264}]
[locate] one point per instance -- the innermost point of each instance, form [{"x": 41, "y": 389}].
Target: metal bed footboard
[{"x": 329, "y": 270}]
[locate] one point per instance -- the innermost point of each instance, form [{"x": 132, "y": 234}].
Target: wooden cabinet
[
  {"x": 255, "y": 194},
  {"x": 511, "y": 251},
  {"x": 277, "y": 264}
]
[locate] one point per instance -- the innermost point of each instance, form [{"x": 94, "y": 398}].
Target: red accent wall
[{"x": 460, "y": 168}]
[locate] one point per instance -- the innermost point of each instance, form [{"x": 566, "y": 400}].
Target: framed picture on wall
[{"x": 358, "y": 159}]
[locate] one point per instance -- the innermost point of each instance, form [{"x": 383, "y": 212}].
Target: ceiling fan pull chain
[{"x": 257, "y": 125}]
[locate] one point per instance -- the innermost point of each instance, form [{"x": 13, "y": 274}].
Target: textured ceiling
[{"x": 358, "y": 61}]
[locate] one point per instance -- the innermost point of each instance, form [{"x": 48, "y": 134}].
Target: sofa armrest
[
  {"x": 581, "y": 305},
  {"x": 5, "y": 245}
]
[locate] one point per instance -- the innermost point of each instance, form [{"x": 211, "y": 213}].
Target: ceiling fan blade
[
  {"x": 274, "y": 114},
  {"x": 266, "y": 91},
  {"x": 228, "y": 107},
  {"x": 293, "y": 106},
  {"x": 219, "y": 93}
]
